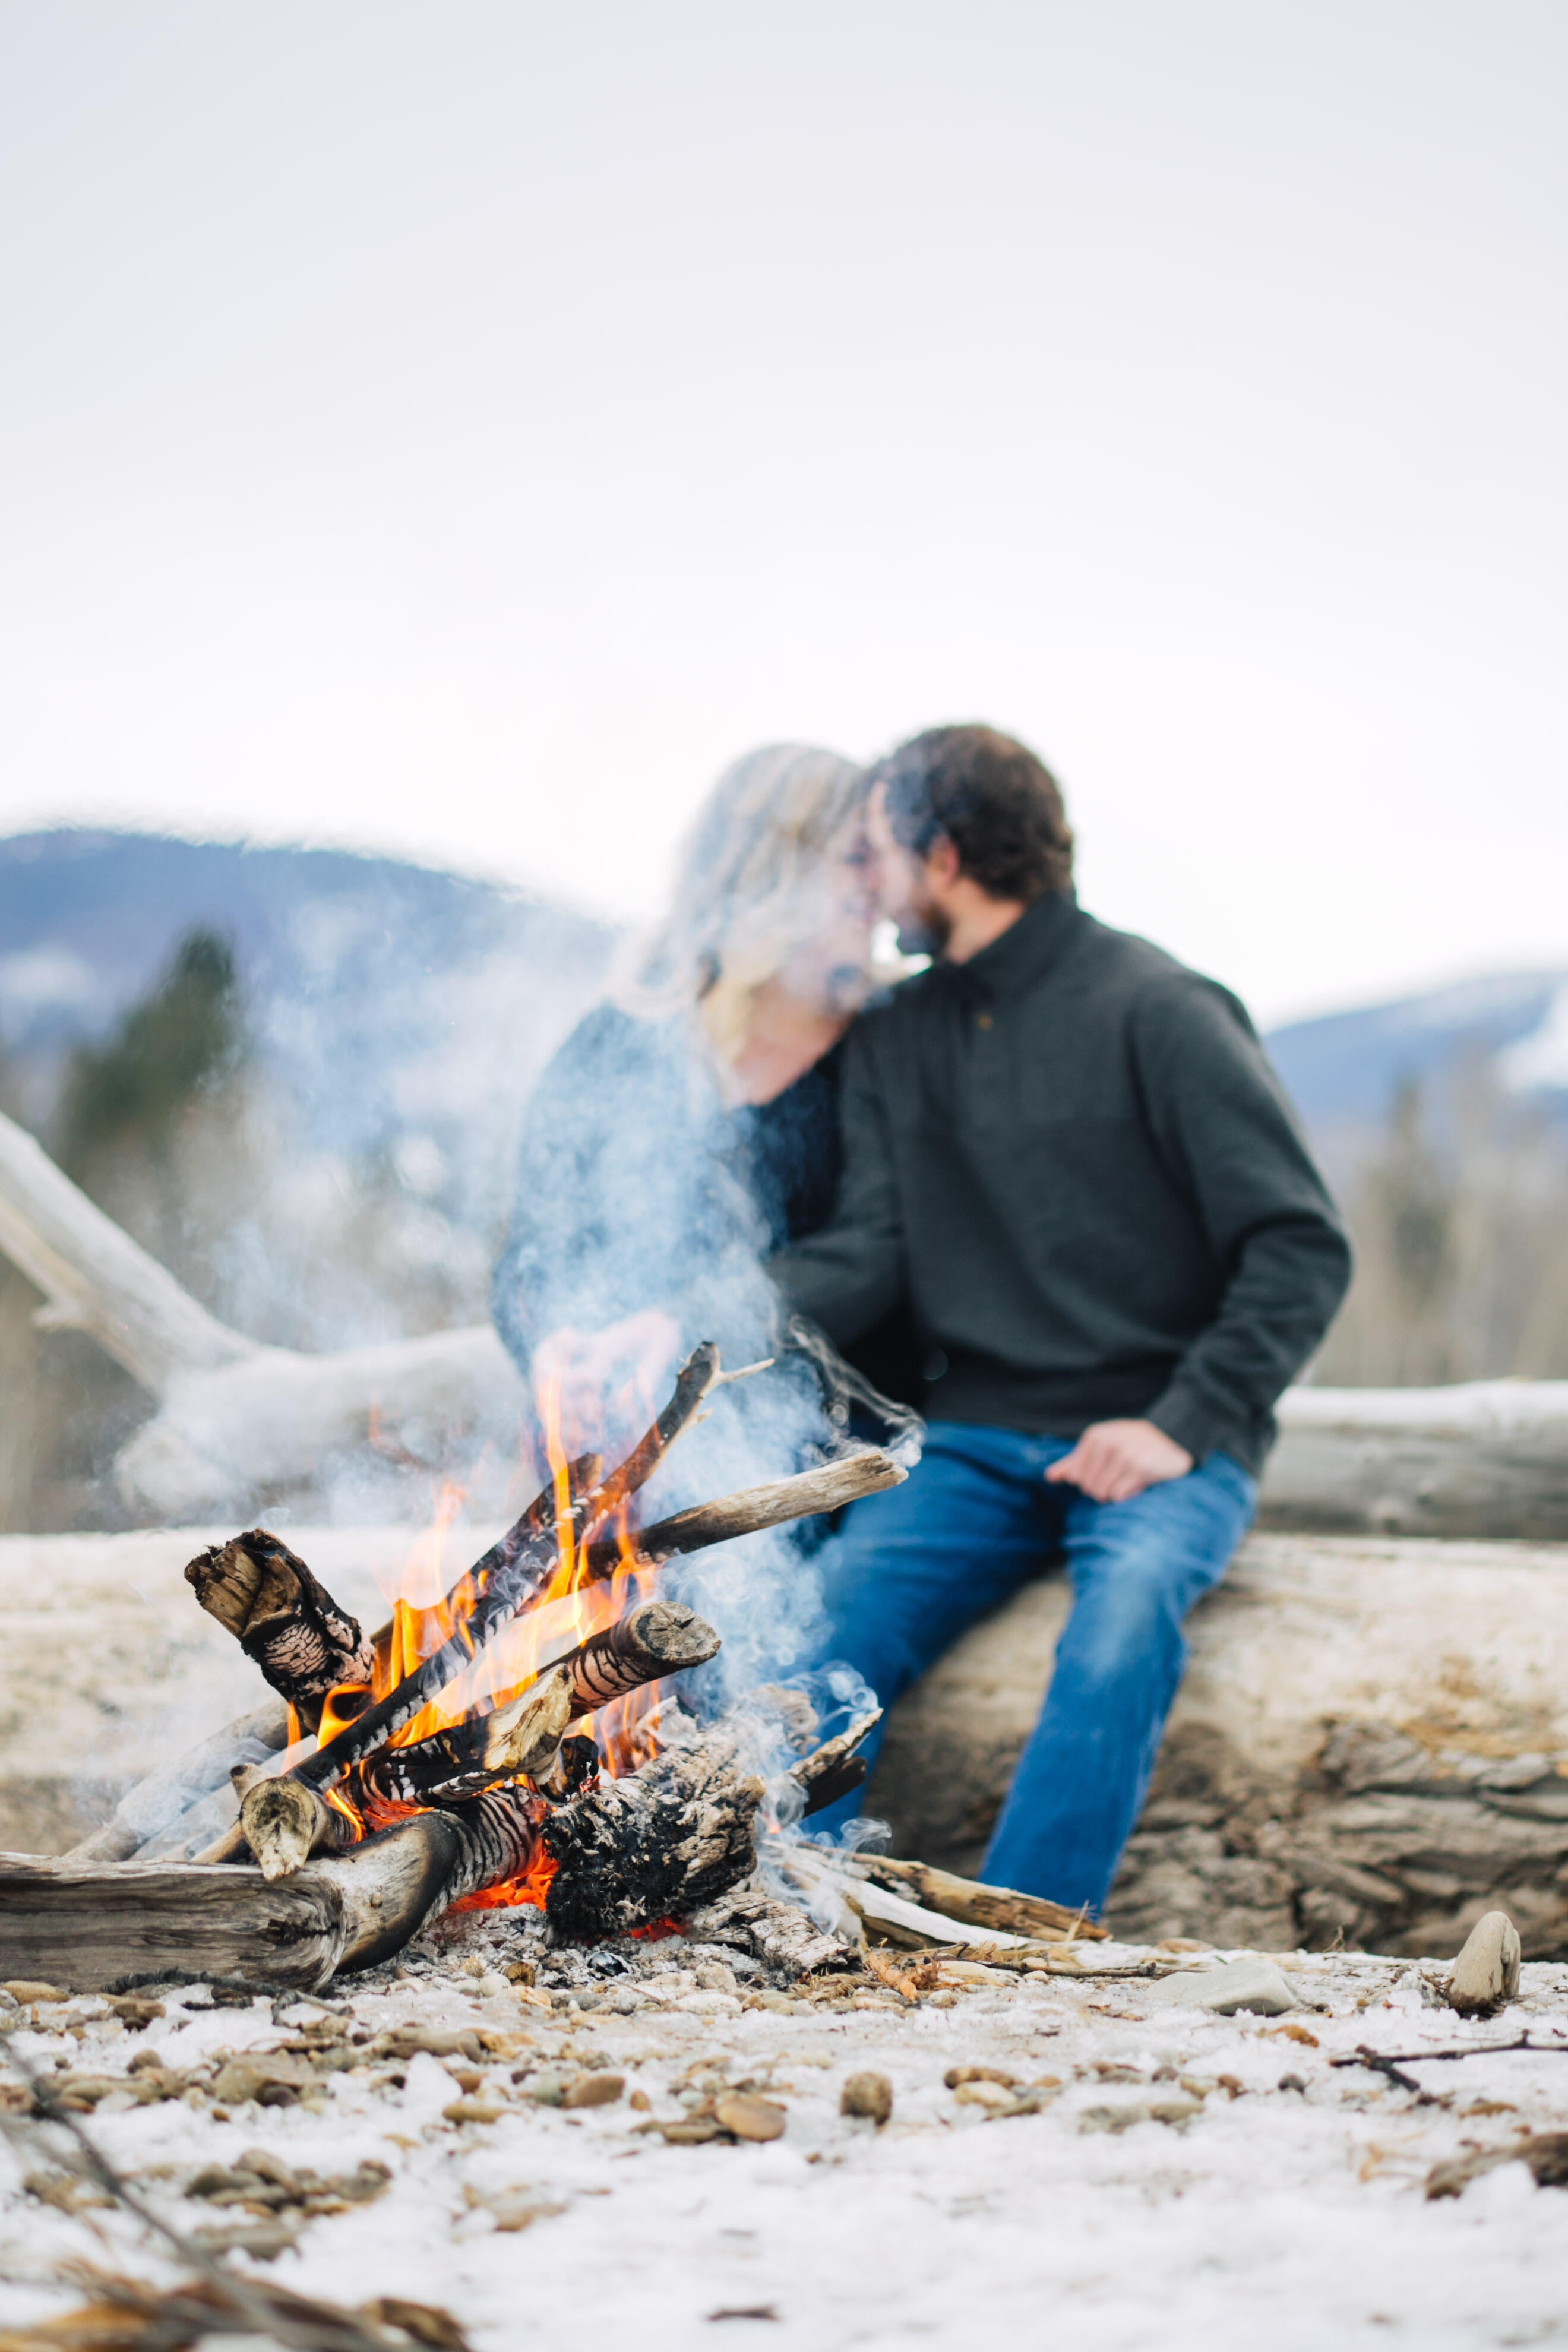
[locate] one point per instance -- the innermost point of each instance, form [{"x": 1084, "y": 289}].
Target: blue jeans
[{"x": 911, "y": 1569}]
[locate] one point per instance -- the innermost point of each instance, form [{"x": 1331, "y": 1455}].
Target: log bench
[{"x": 1372, "y": 1739}]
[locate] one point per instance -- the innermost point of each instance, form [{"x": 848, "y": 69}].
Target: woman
[{"x": 687, "y": 1128}]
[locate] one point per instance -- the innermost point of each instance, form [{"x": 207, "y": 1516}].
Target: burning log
[
  {"x": 283, "y": 1619},
  {"x": 513, "y": 1572},
  {"x": 666, "y": 1840}
]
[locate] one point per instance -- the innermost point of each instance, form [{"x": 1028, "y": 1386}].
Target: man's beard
[{"x": 925, "y": 930}]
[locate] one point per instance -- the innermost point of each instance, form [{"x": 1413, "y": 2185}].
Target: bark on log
[{"x": 283, "y": 1618}]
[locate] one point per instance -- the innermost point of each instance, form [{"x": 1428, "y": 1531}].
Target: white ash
[{"x": 1140, "y": 2173}]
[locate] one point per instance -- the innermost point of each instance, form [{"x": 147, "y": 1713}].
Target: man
[{"x": 1070, "y": 1155}]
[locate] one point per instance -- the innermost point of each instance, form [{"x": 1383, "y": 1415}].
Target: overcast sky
[{"x": 461, "y": 428}]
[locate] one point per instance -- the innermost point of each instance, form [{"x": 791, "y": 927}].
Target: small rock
[
  {"x": 1175, "y": 2113},
  {"x": 716, "y": 1976},
  {"x": 27, "y": 1988},
  {"x": 957, "y": 2075},
  {"x": 980, "y": 2092},
  {"x": 1252, "y": 1983},
  {"x": 473, "y": 2111},
  {"x": 273, "y": 2081},
  {"x": 593, "y": 2090},
  {"x": 745, "y": 2115},
  {"x": 1485, "y": 1973},
  {"x": 708, "y": 2004},
  {"x": 868, "y": 2095}
]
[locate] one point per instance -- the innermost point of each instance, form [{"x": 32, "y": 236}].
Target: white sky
[{"x": 460, "y": 428}]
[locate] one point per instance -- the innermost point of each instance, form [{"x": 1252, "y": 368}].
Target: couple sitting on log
[{"x": 1046, "y": 1189}]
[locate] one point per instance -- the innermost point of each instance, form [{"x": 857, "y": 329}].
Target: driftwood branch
[
  {"x": 1483, "y": 1458},
  {"x": 995, "y": 1907},
  {"x": 829, "y": 1487}
]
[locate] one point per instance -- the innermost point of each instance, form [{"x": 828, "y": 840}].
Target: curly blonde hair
[{"x": 752, "y": 886}]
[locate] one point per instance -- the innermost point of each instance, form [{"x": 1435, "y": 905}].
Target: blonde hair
[{"x": 750, "y": 888}]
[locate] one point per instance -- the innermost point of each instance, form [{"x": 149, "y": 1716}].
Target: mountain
[
  {"x": 1509, "y": 1031},
  {"x": 393, "y": 1005}
]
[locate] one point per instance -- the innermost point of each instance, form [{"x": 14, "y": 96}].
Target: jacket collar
[{"x": 1024, "y": 954}]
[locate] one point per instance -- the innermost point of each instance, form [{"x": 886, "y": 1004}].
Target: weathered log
[
  {"x": 668, "y": 1839},
  {"x": 90, "y": 1927},
  {"x": 159, "y": 1802},
  {"x": 1481, "y": 1458},
  {"x": 283, "y": 1618}
]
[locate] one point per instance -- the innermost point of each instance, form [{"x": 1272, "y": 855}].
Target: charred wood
[
  {"x": 283, "y": 1618},
  {"x": 662, "y": 1841}
]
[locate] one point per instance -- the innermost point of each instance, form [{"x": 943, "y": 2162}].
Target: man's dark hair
[{"x": 998, "y": 804}]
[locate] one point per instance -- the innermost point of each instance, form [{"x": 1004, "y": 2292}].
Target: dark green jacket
[{"x": 1071, "y": 1156}]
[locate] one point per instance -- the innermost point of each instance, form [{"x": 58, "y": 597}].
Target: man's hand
[{"x": 1115, "y": 1460}]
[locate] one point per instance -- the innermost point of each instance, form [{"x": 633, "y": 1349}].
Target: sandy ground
[{"x": 1173, "y": 2179}]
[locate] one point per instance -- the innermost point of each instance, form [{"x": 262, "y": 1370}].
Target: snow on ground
[{"x": 1279, "y": 2204}]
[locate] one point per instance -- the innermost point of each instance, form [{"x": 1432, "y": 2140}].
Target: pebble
[
  {"x": 866, "y": 2095},
  {"x": 1485, "y": 1973},
  {"x": 745, "y": 2115},
  {"x": 593, "y": 2090}
]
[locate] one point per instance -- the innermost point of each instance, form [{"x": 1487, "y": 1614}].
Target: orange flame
[{"x": 575, "y": 1605}]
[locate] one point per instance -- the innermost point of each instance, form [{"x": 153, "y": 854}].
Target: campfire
[{"x": 515, "y": 1743}]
